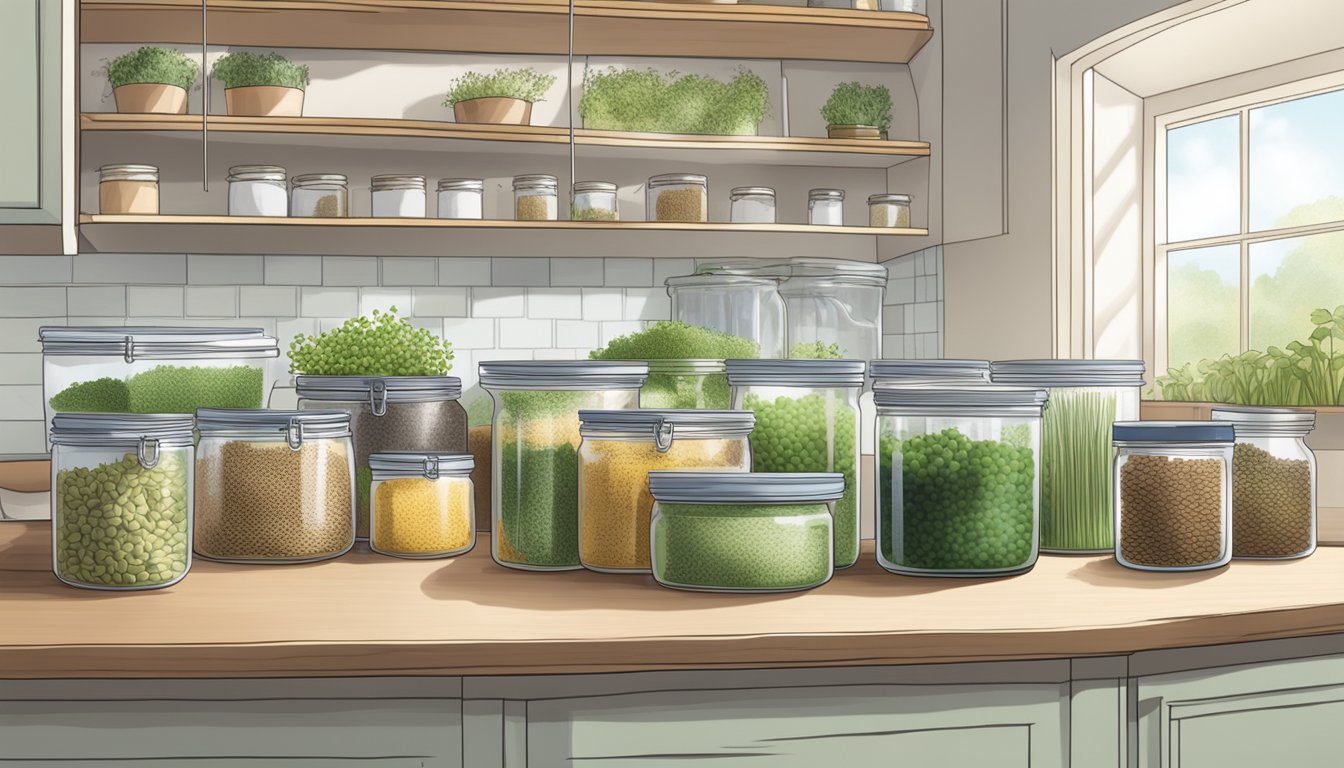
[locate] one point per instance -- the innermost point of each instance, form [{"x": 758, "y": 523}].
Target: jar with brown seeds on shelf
[
  {"x": 677, "y": 197},
  {"x": 1273, "y": 483},
  {"x": 536, "y": 197},
  {"x": 889, "y": 211},
  {"x": 319, "y": 195}
]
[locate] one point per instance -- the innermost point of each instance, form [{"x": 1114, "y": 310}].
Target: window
[{"x": 1251, "y": 237}]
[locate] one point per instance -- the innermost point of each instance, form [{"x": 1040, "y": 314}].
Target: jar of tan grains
[
  {"x": 422, "y": 504},
  {"x": 274, "y": 486},
  {"x": 319, "y": 195},
  {"x": 892, "y": 211},
  {"x": 618, "y": 451},
  {"x": 1173, "y": 491},
  {"x": 128, "y": 189},
  {"x": 535, "y": 197},
  {"x": 1273, "y": 483},
  {"x": 677, "y": 197}
]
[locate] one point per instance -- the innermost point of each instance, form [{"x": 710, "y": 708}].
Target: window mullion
[{"x": 1244, "y": 313}]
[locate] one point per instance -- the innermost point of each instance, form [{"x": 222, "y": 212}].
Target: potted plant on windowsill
[
  {"x": 152, "y": 80},
  {"x": 503, "y": 97},
  {"x": 856, "y": 111},
  {"x": 261, "y": 84}
]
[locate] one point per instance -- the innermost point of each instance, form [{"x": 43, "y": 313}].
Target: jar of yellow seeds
[{"x": 422, "y": 504}]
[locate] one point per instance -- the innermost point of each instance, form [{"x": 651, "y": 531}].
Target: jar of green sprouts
[{"x": 1086, "y": 398}]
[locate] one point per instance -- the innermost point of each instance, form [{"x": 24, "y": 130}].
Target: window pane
[
  {"x": 1289, "y": 279},
  {"x": 1204, "y": 179},
  {"x": 1203, "y": 294},
  {"x": 1297, "y": 162}
]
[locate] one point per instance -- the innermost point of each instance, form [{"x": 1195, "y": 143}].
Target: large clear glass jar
[
  {"x": 695, "y": 384},
  {"x": 594, "y": 201},
  {"x": 535, "y": 452},
  {"x": 389, "y": 413},
  {"x": 1273, "y": 483},
  {"x": 1086, "y": 398},
  {"x": 752, "y": 205},
  {"x": 128, "y": 189},
  {"x": 619, "y": 450},
  {"x": 274, "y": 486},
  {"x": 826, "y": 207},
  {"x": 258, "y": 190},
  {"x": 807, "y": 420},
  {"x": 748, "y": 307},
  {"x": 889, "y": 211},
  {"x": 422, "y": 504},
  {"x": 398, "y": 196},
  {"x": 461, "y": 198},
  {"x": 319, "y": 195},
  {"x": 957, "y": 479},
  {"x": 121, "y": 500},
  {"x": 900, "y": 373},
  {"x": 742, "y": 532},
  {"x": 1173, "y": 495},
  {"x": 677, "y": 197},
  {"x": 535, "y": 197}
]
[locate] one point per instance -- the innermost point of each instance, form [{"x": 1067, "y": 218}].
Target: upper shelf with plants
[{"x": 601, "y": 27}]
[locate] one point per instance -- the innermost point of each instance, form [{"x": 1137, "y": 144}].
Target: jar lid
[
  {"x": 663, "y": 427},
  {"x": 1266, "y": 421},
  {"x": 562, "y": 374},
  {"x": 703, "y": 367},
  {"x": 594, "y": 186},
  {"x": 1069, "y": 373},
  {"x": 796, "y": 373},
  {"x": 983, "y": 399},
  {"x": 128, "y": 172},
  {"x": 709, "y": 281},
  {"x": 293, "y": 426},
  {"x": 318, "y": 178},
  {"x": 970, "y": 370},
  {"x": 745, "y": 487},
  {"x": 170, "y": 430},
  {"x": 157, "y": 343},
  {"x": 535, "y": 180},
  {"x": 836, "y": 270},
  {"x": 432, "y": 466},
  {"x": 749, "y": 191},
  {"x": 664, "y": 179},
  {"x": 899, "y": 199},
  {"x": 1171, "y": 432},
  {"x": 825, "y": 194},
  {"x": 474, "y": 185},
  {"x": 256, "y": 173},
  {"x": 378, "y": 391},
  {"x": 393, "y": 181}
]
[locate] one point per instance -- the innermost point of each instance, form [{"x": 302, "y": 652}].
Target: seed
[
  {"x": 329, "y": 207},
  {"x": 534, "y": 208},
  {"x": 682, "y": 205},
  {"x": 1171, "y": 511},
  {"x": 419, "y": 516},
  {"x": 723, "y": 546},
  {"x": 1271, "y": 504}
]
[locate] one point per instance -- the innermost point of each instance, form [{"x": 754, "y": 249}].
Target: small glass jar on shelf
[
  {"x": 677, "y": 197},
  {"x": 258, "y": 190},
  {"x": 128, "y": 189},
  {"x": 422, "y": 504},
  {"x": 1273, "y": 483},
  {"x": 320, "y": 195},
  {"x": 889, "y": 211},
  {"x": 461, "y": 198},
  {"x": 535, "y": 197},
  {"x": 594, "y": 201},
  {"x": 826, "y": 207},
  {"x": 752, "y": 205},
  {"x": 398, "y": 196}
]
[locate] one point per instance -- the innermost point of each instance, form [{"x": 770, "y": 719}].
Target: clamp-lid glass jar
[
  {"x": 422, "y": 504},
  {"x": 958, "y": 469},
  {"x": 826, "y": 207},
  {"x": 889, "y": 211},
  {"x": 752, "y": 205},
  {"x": 319, "y": 195},
  {"x": 257, "y": 190},
  {"x": 742, "y": 532},
  {"x": 534, "y": 455},
  {"x": 535, "y": 197},
  {"x": 121, "y": 499},
  {"x": 1173, "y": 494},
  {"x": 128, "y": 189},
  {"x": 619, "y": 450},
  {"x": 398, "y": 196},
  {"x": 461, "y": 198},
  {"x": 807, "y": 420},
  {"x": 677, "y": 197},
  {"x": 1086, "y": 398},
  {"x": 390, "y": 413},
  {"x": 1273, "y": 483},
  {"x": 594, "y": 201},
  {"x": 274, "y": 486}
]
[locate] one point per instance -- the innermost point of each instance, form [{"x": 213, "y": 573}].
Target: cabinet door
[{"x": 31, "y": 121}]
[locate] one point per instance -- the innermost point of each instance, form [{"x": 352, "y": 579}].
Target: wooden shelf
[{"x": 602, "y": 27}]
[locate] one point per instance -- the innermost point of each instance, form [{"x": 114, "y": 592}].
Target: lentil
[
  {"x": 1271, "y": 504},
  {"x": 534, "y": 208},
  {"x": 420, "y": 516},
  {"x": 1171, "y": 511},
  {"x": 682, "y": 205},
  {"x": 740, "y": 546}
]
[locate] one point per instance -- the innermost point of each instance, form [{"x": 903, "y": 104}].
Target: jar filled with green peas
[{"x": 121, "y": 499}]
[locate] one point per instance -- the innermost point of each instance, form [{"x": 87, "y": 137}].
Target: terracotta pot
[
  {"x": 499, "y": 111},
  {"x": 151, "y": 98},
  {"x": 264, "y": 101},
  {"x": 855, "y": 132}
]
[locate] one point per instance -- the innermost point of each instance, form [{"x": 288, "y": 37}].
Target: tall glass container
[
  {"x": 749, "y": 307},
  {"x": 1273, "y": 483}
]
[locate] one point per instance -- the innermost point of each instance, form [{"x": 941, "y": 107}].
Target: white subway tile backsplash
[
  {"x": 349, "y": 270},
  {"x": 558, "y": 354},
  {"x": 611, "y": 330},
  {"x": 469, "y": 332},
  {"x": 20, "y": 369},
  {"x": 926, "y": 318},
  {"x": 576, "y": 272},
  {"x": 409, "y": 271},
  {"x": 210, "y": 269},
  {"x": 902, "y": 267},
  {"x": 293, "y": 270},
  {"x": 928, "y": 286},
  {"x": 909, "y": 352},
  {"x": 123, "y": 268},
  {"x": 23, "y": 437},
  {"x": 665, "y": 268},
  {"x": 211, "y": 301},
  {"x": 578, "y": 333},
  {"x": 901, "y": 290},
  {"x": 277, "y": 300},
  {"x": 521, "y": 272},
  {"x": 31, "y": 270},
  {"x": 328, "y": 302},
  {"x": 647, "y": 304},
  {"x": 384, "y": 300},
  {"x": 154, "y": 301},
  {"x": 498, "y": 302},
  {"x": 599, "y": 304},
  {"x": 893, "y": 320},
  {"x": 20, "y": 402},
  {"x": 439, "y": 302},
  {"x": 636, "y": 273},
  {"x": 555, "y": 303},
  {"x": 464, "y": 271},
  {"x": 96, "y": 301},
  {"x": 517, "y": 333},
  {"x": 432, "y": 324},
  {"x": 32, "y": 302}
]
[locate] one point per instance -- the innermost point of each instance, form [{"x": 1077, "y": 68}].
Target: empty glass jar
[
  {"x": 398, "y": 196},
  {"x": 752, "y": 205},
  {"x": 535, "y": 197},
  {"x": 422, "y": 504},
  {"x": 258, "y": 190},
  {"x": 461, "y": 198},
  {"x": 748, "y": 307},
  {"x": 319, "y": 195},
  {"x": 1273, "y": 483},
  {"x": 677, "y": 197},
  {"x": 594, "y": 201},
  {"x": 826, "y": 207}
]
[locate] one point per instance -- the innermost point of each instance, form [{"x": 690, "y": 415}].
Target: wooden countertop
[{"x": 364, "y": 614}]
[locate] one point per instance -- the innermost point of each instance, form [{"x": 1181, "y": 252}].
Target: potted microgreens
[
  {"x": 261, "y": 84},
  {"x": 503, "y": 97},
  {"x": 646, "y": 100},
  {"x": 856, "y": 111},
  {"x": 152, "y": 80}
]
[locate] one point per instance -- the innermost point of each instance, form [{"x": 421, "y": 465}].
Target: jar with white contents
[
  {"x": 826, "y": 207},
  {"x": 461, "y": 198},
  {"x": 398, "y": 196},
  {"x": 752, "y": 205},
  {"x": 258, "y": 190}
]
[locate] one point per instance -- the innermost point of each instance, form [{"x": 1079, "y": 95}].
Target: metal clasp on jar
[
  {"x": 378, "y": 397},
  {"x": 431, "y": 467},
  {"x": 148, "y": 452},
  {"x": 294, "y": 433},
  {"x": 128, "y": 354},
  {"x": 662, "y": 435}
]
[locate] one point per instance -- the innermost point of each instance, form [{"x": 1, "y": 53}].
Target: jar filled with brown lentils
[{"x": 1273, "y": 483}]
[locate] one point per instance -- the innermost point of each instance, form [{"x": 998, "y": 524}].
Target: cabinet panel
[{"x": 20, "y": 121}]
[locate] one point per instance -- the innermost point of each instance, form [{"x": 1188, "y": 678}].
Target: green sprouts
[
  {"x": 381, "y": 345},
  {"x": 166, "y": 66},
  {"x": 244, "y": 68},
  {"x": 815, "y": 350},
  {"x": 646, "y": 100},
  {"x": 856, "y": 104},
  {"x": 1076, "y": 458},
  {"x": 671, "y": 340},
  {"x": 527, "y": 84}
]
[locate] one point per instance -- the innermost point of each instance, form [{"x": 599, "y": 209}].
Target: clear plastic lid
[
  {"x": 157, "y": 343},
  {"x": 663, "y": 427},
  {"x": 796, "y": 373},
  {"x": 1191, "y": 432},
  {"x": 293, "y": 426},
  {"x": 1267, "y": 421},
  {"x": 562, "y": 374},
  {"x": 399, "y": 464},
  {"x": 95, "y": 429},
  {"x": 378, "y": 391},
  {"x": 982, "y": 400},
  {"x": 678, "y": 487},
  {"x": 1069, "y": 373}
]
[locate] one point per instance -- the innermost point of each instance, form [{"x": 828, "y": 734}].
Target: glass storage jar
[
  {"x": 535, "y": 197},
  {"x": 889, "y": 211},
  {"x": 619, "y": 450},
  {"x": 121, "y": 499},
  {"x": 319, "y": 195},
  {"x": 398, "y": 196},
  {"x": 826, "y": 207},
  {"x": 957, "y": 489},
  {"x": 535, "y": 452},
  {"x": 677, "y": 197},
  {"x": 752, "y": 205},
  {"x": 257, "y": 190},
  {"x": 109, "y": 369},
  {"x": 925, "y": 372},
  {"x": 807, "y": 420},
  {"x": 748, "y": 307},
  {"x": 1086, "y": 398},
  {"x": 128, "y": 189},
  {"x": 594, "y": 201},
  {"x": 1173, "y": 494},
  {"x": 274, "y": 486},
  {"x": 742, "y": 531},
  {"x": 1273, "y": 483},
  {"x": 422, "y": 504},
  {"x": 461, "y": 198},
  {"x": 687, "y": 384},
  {"x": 389, "y": 413}
]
